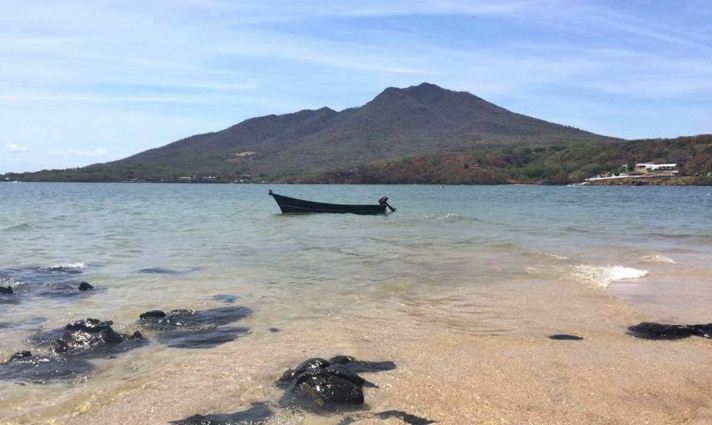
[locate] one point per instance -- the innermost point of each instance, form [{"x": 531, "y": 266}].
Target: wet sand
[{"x": 457, "y": 363}]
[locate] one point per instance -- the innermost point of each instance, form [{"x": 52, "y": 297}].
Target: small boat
[{"x": 294, "y": 205}]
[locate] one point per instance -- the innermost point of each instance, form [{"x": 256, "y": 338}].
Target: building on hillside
[{"x": 651, "y": 167}]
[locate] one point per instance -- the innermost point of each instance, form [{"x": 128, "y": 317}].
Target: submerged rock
[
  {"x": 226, "y": 298},
  {"x": 153, "y": 314},
  {"x": 309, "y": 364},
  {"x": 565, "y": 337},
  {"x": 650, "y": 330},
  {"x": 6, "y": 290},
  {"x": 703, "y": 330},
  {"x": 88, "y": 336},
  {"x": 158, "y": 270},
  {"x": 323, "y": 384},
  {"x": 71, "y": 347},
  {"x": 195, "y": 329},
  {"x": 405, "y": 417},
  {"x": 359, "y": 366},
  {"x": 57, "y": 281},
  {"x": 24, "y": 366},
  {"x": 259, "y": 413},
  {"x": 85, "y": 286},
  {"x": 166, "y": 271}
]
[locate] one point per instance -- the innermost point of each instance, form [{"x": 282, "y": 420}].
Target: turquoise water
[
  {"x": 223, "y": 235},
  {"x": 651, "y": 246}
]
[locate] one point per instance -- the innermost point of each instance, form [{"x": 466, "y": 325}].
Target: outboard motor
[{"x": 384, "y": 201}]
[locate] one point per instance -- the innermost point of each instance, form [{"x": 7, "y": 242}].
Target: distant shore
[{"x": 623, "y": 181}]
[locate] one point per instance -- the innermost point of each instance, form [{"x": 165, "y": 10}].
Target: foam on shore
[
  {"x": 603, "y": 276},
  {"x": 658, "y": 259},
  {"x": 67, "y": 267}
]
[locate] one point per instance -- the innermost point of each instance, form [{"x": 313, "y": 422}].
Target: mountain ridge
[{"x": 416, "y": 121}]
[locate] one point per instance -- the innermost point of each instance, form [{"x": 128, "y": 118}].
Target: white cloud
[{"x": 15, "y": 148}]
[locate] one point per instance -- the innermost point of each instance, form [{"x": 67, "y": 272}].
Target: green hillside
[{"x": 419, "y": 134}]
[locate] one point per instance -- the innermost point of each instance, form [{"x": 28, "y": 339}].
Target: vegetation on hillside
[
  {"x": 420, "y": 134},
  {"x": 554, "y": 164}
]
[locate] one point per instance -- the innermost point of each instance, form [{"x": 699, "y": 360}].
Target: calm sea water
[{"x": 651, "y": 246}]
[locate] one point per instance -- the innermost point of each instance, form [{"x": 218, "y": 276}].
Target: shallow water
[{"x": 458, "y": 262}]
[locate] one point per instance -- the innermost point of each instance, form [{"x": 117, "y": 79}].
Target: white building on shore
[{"x": 648, "y": 167}]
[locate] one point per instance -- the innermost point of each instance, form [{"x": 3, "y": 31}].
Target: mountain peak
[{"x": 422, "y": 119}]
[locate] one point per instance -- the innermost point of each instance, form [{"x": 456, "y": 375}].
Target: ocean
[{"x": 454, "y": 268}]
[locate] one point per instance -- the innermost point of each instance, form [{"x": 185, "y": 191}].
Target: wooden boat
[{"x": 294, "y": 205}]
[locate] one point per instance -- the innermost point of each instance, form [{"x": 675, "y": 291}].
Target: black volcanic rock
[
  {"x": 85, "y": 286},
  {"x": 648, "y": 330},
  {"x": 309, "y": 364},
  {"x": 57, "y": 281},
  {"x": 88, "y": 337},
  {"x": 259, "y": 413},
  {"x": 359, "y": 366},
  {"x": 71, "y": 347},
  {"x": 153, "y": 314},
  {"x": 651, "y": 330},
  {"x": 324, "y": 388},
  {"x": 24, "y": 366},
  {"x": 405, "y": 417},
  {"x": 565, "y": 337},
  {"x": 322, "y": 384}
]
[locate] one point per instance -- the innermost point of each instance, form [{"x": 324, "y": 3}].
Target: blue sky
[{"x": 92, "y": 81}]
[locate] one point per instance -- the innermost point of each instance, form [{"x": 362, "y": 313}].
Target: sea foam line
[
  {"x": 67, "y": 267},
  {"x": 605, "y": 275},
  {"x": 658, "y": 258}
]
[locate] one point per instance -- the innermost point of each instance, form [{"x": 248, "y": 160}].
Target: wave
[
  {"x": 17, "y": 228},
  {"x": 450, "y": 217},
  {"x": 167, "y": 271},
  {"x": 66, "y": 267},
  {"x": 658, "y": 258},
  {"x": 605, "y": 275}
]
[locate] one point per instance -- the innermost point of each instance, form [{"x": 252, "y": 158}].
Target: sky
[{"x": 93, "y": 81}]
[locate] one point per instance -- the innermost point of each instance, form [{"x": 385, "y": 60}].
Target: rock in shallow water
[
  {"x": 6, "y": 290},
  {"x": 195, "y": 329},
  {"x": 255, "y": 415},
  {"x": 85, "y": 286},
  {"x": 71, "y": 347},
  {"x": 90, "y": 337},
  {"x": 54, "y": 282},
  {"x": 660, "y": 331},
  {"x": 368, "y": 418},
  {"x": 324, "y": 388},
  {"x": 565, "y": 337},
  {"x": 24, "y": 366},
  {"x": 327, "y": 384},
  {"x": 405, "y": 417},
  {"x": 226, "y": 298}
]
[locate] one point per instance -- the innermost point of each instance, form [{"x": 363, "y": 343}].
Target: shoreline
[
  {"x": 633, "y": 181},
  {"x": 506, "y": 377}
]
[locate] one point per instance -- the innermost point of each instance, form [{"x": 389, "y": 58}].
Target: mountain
[{"x": 398, "y": 123}]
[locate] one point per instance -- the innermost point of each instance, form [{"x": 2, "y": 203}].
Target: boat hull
[{"x": 294, "y": 205}]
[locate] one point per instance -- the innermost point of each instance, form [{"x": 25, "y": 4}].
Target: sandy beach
[{"x": 453, "y": 367}]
